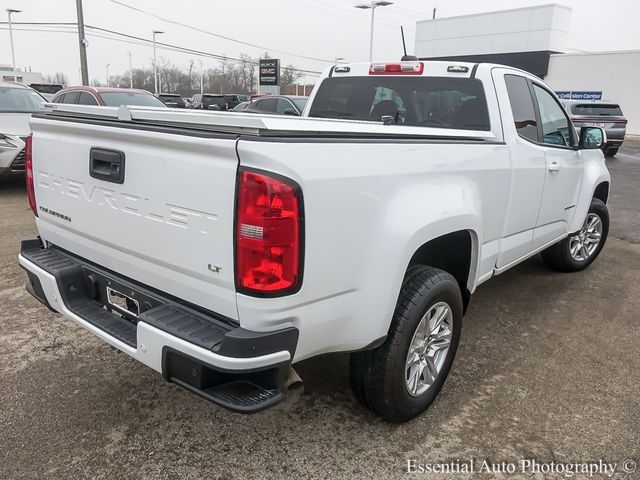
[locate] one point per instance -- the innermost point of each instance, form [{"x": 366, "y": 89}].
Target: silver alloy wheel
[
  {"x": 586, "y": 241},
  {"x": 428, "y": 348}
]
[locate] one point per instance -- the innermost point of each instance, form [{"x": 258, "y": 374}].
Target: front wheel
[
  {"x": 581, "y": 248},
  {"x": 610, "y": 152},
  {"x": 401, "y": 378}
]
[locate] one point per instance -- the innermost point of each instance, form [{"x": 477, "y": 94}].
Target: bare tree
[
  {"x": 59, "y": 78},
  {"x": 289, "y": 76}
]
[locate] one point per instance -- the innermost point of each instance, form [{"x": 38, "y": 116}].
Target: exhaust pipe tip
[{"x": 293, "y": 381}]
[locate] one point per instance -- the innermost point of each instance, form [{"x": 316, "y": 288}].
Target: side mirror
[
  {"x": 592, "y": 138},
  {"x": 291, "y": 111}
]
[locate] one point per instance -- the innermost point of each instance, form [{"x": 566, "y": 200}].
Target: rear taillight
[
  {"x": 28, "y": 165},
  {"x": 401, "y": 68},
  {"x": 269, "y": 234}
]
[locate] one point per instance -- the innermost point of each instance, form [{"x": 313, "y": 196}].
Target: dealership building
[{"x": 536, "y": 39}]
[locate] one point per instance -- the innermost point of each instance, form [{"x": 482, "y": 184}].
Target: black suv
[
  {"x": 218, "y": 101},
  {"x": 172, "y": 100}
]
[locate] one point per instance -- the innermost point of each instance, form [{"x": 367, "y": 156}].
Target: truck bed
[{"x": 196, "y": 123}]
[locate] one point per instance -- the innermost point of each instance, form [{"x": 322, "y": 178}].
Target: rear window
[
  {"x": 46, "y": 87},
  {"x": 213, "y": 100},
  {"x": 596, "y": 109},
  {"x": 440, "y": 102},
  {"x": 115, "y": 99}
]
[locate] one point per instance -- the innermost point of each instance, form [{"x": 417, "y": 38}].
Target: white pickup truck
[{"x": 221, "y": 248}]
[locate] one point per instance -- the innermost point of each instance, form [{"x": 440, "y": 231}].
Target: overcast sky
[{"x": 319, "y": 29}]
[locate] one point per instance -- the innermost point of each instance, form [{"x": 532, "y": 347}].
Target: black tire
[
  {"x": 610, "y": 152},
  {"x": 378, "y": 376},
  {"x": 559, "y": 256}
]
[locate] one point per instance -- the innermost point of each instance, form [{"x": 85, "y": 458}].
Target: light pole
[
  {"x": 155, "y": 65},
  {"x": 373, "y": 5},
  {"x": 108, "y": 74},
  {"x": 13, "y": 55},
  {"x": 130, "y": 72},
  {"x": 83, "y": 44},
  {"x": 201, "y": 78}
]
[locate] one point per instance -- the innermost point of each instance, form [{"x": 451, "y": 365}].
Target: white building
[
  {"x": 535, "y": 39},
  {"x": 6, "y": 75},
  {"x": 615, "y": 74}
]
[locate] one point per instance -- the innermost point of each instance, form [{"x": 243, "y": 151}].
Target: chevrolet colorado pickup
[{"x": 220, "y": 249}]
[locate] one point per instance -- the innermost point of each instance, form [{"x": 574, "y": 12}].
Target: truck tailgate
[{"x": 168, "y": 224}]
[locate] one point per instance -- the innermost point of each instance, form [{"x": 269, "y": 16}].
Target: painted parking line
[{"x": 627, "y": 156}]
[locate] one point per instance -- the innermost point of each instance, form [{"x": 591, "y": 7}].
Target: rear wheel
[
  {"x": 401, "y": 378},
  {"x": 581, "y": 248}
]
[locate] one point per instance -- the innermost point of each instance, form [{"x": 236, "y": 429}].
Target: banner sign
[
  {"x": 590, "y": 95},
  {"x": 269, "y": 71}
]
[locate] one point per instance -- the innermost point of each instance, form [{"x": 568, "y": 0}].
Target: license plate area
[
  {"x": 123, "y": 304},
  {"x": 119, "y": 297}
]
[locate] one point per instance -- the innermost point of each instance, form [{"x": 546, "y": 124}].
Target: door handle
[
  {"x": 554, "y": 167},
  {"x": 106, "y": 165}
]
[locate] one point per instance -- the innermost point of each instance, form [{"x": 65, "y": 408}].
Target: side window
[
  {"x": 87, "y": 99},
  {"x": 70, "y": 97},
  {"x": 268, "y": 105},
  {"x": 556, "y": 129},
  {"x": 521, "y": 102},
  {"x": 283, "y": 105},
  {"x": 59, "y": 99}
]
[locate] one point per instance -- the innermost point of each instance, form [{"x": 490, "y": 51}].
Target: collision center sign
[
  {"x": 269, "y": 71},
  {"x": 590, "y": 95}
]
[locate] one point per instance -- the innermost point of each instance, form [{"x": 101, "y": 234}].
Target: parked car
[
  {"x": 276, "y": 239},
  {"x": 240, "y": 107},
  {"x": 278, "y": 105},
  {"x": 107, "y": 96},
  {"x": 218, "y": 101},
  {"x": 17, "y": 103},
  {"x": 46, "y": 88},
  {"x": 172, "y": 100},
  {"x": 599, "y": 113}
]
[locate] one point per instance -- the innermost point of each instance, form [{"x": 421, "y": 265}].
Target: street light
[
  {"x": 201, "y": 78},
  {"x": 108, "y": 74},
  {"x": 155, "y": 66},
  {"x": 13, "y": 55},
  {"x": 372, "y": 6}
]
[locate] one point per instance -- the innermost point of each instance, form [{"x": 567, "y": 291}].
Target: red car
[{"x": 107, "y": 97}]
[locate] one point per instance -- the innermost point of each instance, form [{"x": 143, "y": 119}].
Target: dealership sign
[
  {"x": 269, "y": 71},
  {"x": 590, "y": 95}
]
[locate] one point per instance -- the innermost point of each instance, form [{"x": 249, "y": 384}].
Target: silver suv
[
  {"x": 17, "y": 103},
  {"x": 601, "y": 114}
]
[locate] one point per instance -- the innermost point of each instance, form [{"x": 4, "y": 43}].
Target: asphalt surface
[{"x": 548, "y": 368}]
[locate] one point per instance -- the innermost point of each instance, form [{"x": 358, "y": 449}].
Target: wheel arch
[
  {"x": 595, "y": 184},
  {"x": 602, "y": 192},
  {"x": 456, "y": 253}
]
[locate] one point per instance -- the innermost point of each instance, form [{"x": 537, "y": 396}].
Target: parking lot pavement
[{"x": 548, "y": 368}]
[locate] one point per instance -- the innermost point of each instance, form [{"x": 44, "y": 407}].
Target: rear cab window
[{"x": 440, "y": 102}]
